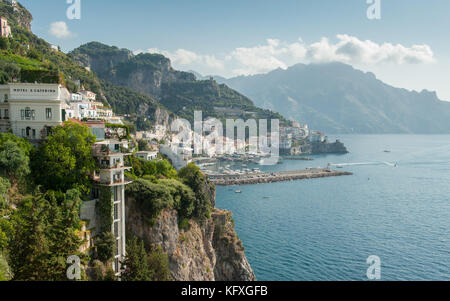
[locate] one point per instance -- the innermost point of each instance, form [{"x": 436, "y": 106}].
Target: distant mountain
[
  {"x": 180, "y": 92},
  {"x": 336, "y": 98}
]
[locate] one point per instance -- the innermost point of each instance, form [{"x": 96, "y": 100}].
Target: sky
[{"x": 407, "y": 47}]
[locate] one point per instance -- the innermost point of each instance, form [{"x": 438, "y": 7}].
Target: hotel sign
[{"x": 34, "y": 90}]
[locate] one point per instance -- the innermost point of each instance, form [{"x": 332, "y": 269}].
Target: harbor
[{"x": 272, "y": 177}]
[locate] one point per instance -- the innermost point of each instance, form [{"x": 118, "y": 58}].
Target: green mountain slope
[
  {"x": 180, "y": 92},
  {"x": 28, "y": 58}
]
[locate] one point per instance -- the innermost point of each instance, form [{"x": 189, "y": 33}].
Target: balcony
[{"x": 110, "y": 180}]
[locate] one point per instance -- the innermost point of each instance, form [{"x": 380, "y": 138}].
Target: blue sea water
[{"x": 325, "y": 229}]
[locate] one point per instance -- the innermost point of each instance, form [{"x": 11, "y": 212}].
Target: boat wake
[{"x": 363, "y": 164}]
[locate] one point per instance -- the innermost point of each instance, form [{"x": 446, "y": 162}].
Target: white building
[
  {"x": 31, "y": 110},
  {"x": 316, "y": 136},
  {"x": 148, "y": 156},
  {"x": 5, "y": 30},
  {"x": 88, "y": 95},
  {"x": 11, "y": 2}
]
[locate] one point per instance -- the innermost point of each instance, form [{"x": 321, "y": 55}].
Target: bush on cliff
[
  {"x": 183, "y": 197},
  {"x": 151, "y": 197},
  {"x": 194, "y": 178},
  {"x": 168, "y": 193},
  {"x": 158, "y": 169}
]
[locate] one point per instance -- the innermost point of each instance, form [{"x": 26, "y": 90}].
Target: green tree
[
  {"x": 11, "y": 70},
  {"x": 182, "y": 195},
  {"x": 29, "y": 248},
  {"x": 151, "y": 197},
  {"x": 4, "y": 78},
  {"x": 136, "y": 265},
  {"x": 6, "y": 232},
  {"x": 143, "y": 145},
  {"x": 64, "y": 224},
  {"x": 21, "y": 142},
  {"x": 196, "y": 180},
  {"x": 14, "y": 161},
  {"x": 4, "y": 43},
  {"x": 45, "y": 235},
  {"x": 158, "y": 262},
  {"x": 5, "y": 185},
  {"x": 165, "y": 169},
  {"x": 65, "y": 161},
  {"x": 105, "y": 245}
]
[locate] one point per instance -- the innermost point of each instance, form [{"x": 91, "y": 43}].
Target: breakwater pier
[{"x": 272, "y": 177}]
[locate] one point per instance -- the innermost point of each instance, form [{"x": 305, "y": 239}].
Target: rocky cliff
[
  {"x": 144, "y": 73},
  {"x": 152, "y": 75},
  {"x": 16, "y": 14},
  {"x": 328, "y": 148},
  {"x": 207, "y": 251}
]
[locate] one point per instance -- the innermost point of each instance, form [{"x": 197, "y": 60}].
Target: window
[
  {"x": 6, "y": 97},
  {"x": 34, "y": 134},
  {"x": 116, "y": 229},
  {"x": 23, "y": 133},
  {"x": 33, "y": 114},
  {"x": 22, "y": 114},
  {"x": 116, "y": 211},
  {"x": 117, "y": 190},
  {"x": 6, "y": 114},
  {"x": 116, "y": 265},
  {"x": 48, "y": 113},
  {"x": 27, "y": 113}
]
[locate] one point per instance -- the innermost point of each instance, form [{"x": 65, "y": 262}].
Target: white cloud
[
  {"x": 351, "y": 50},
  {"x": 275, "y": 54},
  {"x": 60, "y": 30}
]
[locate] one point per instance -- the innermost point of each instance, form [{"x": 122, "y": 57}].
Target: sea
[{"x": 395, "y": 206}]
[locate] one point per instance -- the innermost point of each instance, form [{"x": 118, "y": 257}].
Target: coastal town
[
  {"x": 32, "y": 111},
  {"x": 201, "y": 147}
]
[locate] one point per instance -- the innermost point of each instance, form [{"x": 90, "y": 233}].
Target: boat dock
[{"x": 272, "y": 177}]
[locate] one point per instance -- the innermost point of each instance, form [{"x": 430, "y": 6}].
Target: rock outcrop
[
  {"x": 16, "y": 14},
  {"x": 329, "y": 148},
  {"x": 207, "y": 251}
]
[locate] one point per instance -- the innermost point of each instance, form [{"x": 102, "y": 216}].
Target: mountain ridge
[
  {"x": 179, "y": 91},
  {"x": 339, "y": 99}
]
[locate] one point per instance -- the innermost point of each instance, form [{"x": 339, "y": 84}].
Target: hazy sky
[{"x": 408, "y": 47}]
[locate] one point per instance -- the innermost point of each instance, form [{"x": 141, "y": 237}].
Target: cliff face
[
  {"x": 144, "y": 73},
  {"x": 17, "y": 15},
  {"x": 179, "y": 92},
  {"x": 208, "y": 251}
]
